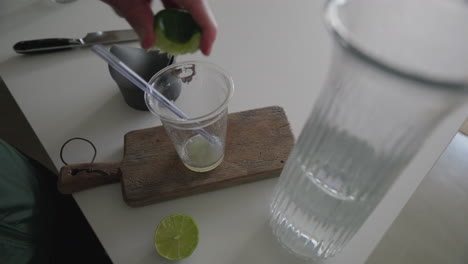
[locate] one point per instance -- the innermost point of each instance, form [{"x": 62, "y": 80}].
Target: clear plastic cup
[{"x": 202, "y": 91}]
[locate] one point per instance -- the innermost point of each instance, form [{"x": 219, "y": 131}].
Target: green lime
[
  {"x": 176, "y": 31},
  {"x": 176, "y": 237}
]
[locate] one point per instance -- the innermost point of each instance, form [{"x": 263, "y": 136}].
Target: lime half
[
  {"x": 176, "y": 237},
  {"x": 176, "y": 32}
]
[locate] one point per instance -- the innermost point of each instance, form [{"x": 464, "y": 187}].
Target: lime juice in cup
[{"x": 199, "y": 154}]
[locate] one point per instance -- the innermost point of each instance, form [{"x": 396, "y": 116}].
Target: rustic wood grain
[
  {"x": 464, "y": 128},
  {"x": 78, "y": 177},
  {"x": 258, "y": 144}
]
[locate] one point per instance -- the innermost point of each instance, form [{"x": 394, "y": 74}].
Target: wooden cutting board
[
  {"x": 257, "y": 146},
  {"x": 464, "y": 128}
]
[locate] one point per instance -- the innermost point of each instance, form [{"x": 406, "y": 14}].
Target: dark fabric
[
  {"x": 25, "y": 210},
  {"x": 37, "y": 223}
]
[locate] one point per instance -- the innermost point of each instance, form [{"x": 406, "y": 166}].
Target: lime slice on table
[
  {"x": 176, "y": 32},
  {"x": 176, "y": 237}
]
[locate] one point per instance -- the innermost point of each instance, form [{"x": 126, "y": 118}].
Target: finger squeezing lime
[
  {"x": 176, "y": 32},
  {"x": 176, "y": 237}
]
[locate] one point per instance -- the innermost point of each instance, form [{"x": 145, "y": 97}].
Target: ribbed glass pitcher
[{"x": 399, "y": 67}]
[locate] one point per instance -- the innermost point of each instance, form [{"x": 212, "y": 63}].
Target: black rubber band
[{"x": 77, "y": 138}]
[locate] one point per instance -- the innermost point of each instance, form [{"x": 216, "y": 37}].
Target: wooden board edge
[{"x": 206, "y": 188}]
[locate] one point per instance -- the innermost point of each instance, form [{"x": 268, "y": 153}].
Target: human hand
[{"x": 139, "y": 15}]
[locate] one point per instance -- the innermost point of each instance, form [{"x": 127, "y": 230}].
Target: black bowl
[{"x": 144, "y": 63}]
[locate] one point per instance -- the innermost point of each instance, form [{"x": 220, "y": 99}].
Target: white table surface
[{"x": 277, "y": 53}]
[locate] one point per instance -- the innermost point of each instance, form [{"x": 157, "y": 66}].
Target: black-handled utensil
[{"x": 50, "y": 44}]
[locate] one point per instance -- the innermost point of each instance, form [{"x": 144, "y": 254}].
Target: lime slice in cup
[
  {"x": 176, "y": 32},
  {"x": 176, "y": 237}
]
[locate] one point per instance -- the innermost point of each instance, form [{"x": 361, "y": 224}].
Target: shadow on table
[
  {"x": 106, "y": 126},
  {"x": 24, "y": 13},
  {"x": 432, "y": 227},
  {"x": 262, "y": 247},
  {"x": 154, "y": 257},
  {"x": 18, "y": 65}
]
